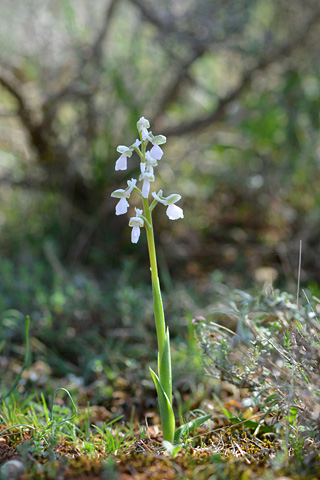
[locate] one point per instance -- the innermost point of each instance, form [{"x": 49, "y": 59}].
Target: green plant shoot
[{"x": 143, "y": 218}]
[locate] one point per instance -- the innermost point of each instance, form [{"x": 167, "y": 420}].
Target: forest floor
[
  {"x": 85, "y": 406},
  {"x": 98, "y": 444}
]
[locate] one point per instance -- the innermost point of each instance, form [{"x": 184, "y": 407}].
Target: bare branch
[
  {"x": 75, "y": 88},
  {"x": 262, "y": 64},
  {"x": 172, "y": 90},
  {"x": 10, "y": 83},
  {"x": 179, "y": 27},
  {"x": 40, "y": 132},
  {"x": 97, "y": 47},
  {"x": 165, "y": 24}
]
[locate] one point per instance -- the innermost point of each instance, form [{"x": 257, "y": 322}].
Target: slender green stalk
[
  {"x": 157, "y": 299},
  {"x": 163, "y": 381}
]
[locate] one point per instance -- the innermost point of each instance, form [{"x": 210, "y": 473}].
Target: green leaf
[
  {"x": 165, "y": 374},
  {"x": 52, "y": 424},
  {"x": 258, "y": 427},
  {"x": 166, "y": 412},
  {"x": 172, "y": 449},
  {"x": 185, "y": 429},
  {"x": 224, "y": 410}
]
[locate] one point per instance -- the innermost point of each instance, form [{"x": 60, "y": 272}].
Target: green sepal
[
  {"x": 190, "y": 426},
  {"x": 164, "y": 366},
  {"x": 166, "y": 412},
  {"x": 159, "y": 140}
]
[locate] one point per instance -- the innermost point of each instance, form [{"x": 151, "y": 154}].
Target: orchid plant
[{"x": 143, "y": 218}]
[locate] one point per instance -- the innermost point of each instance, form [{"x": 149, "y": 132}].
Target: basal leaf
[
  {"x": 165, "y": 375},
  {"x": 185, "y": 429},
  {"x": 166, "y": 412}
]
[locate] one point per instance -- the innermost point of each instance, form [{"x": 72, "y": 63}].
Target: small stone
[{"x": 12, "y": 470}]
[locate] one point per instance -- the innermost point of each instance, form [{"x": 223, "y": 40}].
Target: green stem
[{"x": 157, "y": 299}]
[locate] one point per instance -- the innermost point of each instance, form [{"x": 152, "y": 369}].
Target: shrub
[{"x": 274, "y": 354}]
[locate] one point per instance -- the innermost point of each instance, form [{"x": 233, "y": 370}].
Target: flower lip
[
  {"x": 174, "y": 212},
  {"x": 156, "y": 152},
  {"x": 126, "y": 152},
  {"x": 122, "y": 206},
  {"x": 147, "y": 177},
  {"x": 135, "y": 234},
  {"x": 121, "y": 163}
]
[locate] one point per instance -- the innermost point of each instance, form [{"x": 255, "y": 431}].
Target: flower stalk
[
  {"x": 163, "y": 381},
  {"x": 157, "y": 298}
]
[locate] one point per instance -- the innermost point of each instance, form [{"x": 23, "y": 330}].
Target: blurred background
[{"x": 235, "y": 87}]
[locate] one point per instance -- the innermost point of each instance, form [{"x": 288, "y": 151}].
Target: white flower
[
  {"x": 121, "y": 163},
  {"x": 142, "y": 126},
  {"x": 173, "y": 211},
  {"x": 123, "y": 204},
  {"x": 156, "y": 152},
  {"x": 148, "y": 165},
  {"x": 147, "y": 177},
  {"x": 136, "y": 223}
]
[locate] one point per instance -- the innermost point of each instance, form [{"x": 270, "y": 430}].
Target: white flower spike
[
  {"x": 173, "y": 211},
  {"x": 121, "y": 163},
  {"x": 136, "y": 223},
  {"x": 148, "y": 161},
  {"x": 123, "y": 204}
]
